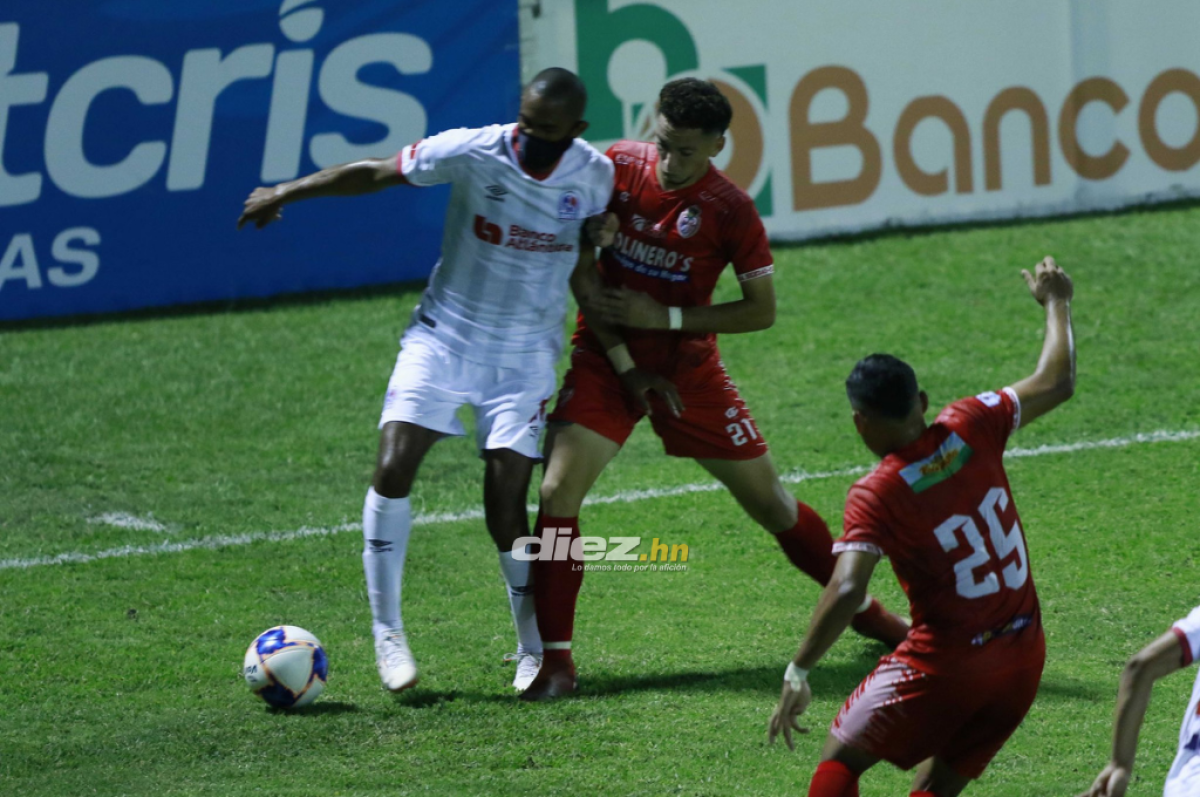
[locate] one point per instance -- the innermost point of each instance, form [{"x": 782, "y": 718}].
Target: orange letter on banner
[
  {"x": 923, "y": 182},
  {"x": 1017, "y": 98},
  {"x": 1169, "y": 158},
  {"x": 1091, "y": 167},
  {"x": 848, "y": 131}
]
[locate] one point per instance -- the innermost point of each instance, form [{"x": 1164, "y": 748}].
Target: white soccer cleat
[
  {"x": 528, "y": 665},
  {"x": 394, "y": 659}
]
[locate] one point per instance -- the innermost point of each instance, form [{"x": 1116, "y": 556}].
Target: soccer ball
[{"x": 286, "y": 666}]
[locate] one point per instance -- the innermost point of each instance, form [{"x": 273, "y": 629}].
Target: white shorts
[{"x": 430, "y": 383}]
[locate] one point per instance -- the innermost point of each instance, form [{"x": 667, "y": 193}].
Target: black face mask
[{"x": 538, "y": 154}]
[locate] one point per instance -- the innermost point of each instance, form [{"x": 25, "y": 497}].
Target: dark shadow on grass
[
  {"x": 318, "y": 709},
  {"x": 429, "y": 698},
  {"x": 247, "y": 305},
  {"x": 833, "y": 678},
  {"x": 1057, "y": 689}
]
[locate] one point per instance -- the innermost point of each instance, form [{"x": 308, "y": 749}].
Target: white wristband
[
  {"x": 620, "y": 358},
  {"x": 674, "y": 318},
  {"x": 795, "y": 676}
]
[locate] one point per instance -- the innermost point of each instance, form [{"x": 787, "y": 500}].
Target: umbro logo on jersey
[
  {"x": 496, "y": 193},
  {"x": 638, "y": 222}
]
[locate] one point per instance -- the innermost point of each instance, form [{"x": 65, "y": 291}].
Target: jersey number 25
[{"x": 972, "y": 584}]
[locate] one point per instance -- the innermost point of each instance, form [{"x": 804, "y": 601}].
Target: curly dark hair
[
  {"x": 694, "y": 104},
  {"x": 883, "y": 384}
]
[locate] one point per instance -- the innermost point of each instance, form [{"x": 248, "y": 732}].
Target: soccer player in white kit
[
  {"x": 487, "y": 331},
  {"x": 1172, "y": 651}
]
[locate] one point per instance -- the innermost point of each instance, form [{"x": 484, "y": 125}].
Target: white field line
[{"x": 624, "y": 497}]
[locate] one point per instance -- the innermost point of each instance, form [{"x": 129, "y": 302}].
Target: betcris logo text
[{"x": 185, "y": 99}]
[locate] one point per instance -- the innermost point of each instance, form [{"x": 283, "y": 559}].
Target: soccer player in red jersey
[
  {"x": 646, "y": 345},
  {"x": 940, "y": 507}
]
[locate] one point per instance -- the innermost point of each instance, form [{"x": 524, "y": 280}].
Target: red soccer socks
[
  {"x": 808, "y": 544},
  {"x": 833, "y": 779},
  {"x": 556, "y": 582}
]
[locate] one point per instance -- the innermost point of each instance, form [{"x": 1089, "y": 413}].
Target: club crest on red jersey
[
  {"x": 689, "y": 222},
  {"x": 568, "y": 206}
]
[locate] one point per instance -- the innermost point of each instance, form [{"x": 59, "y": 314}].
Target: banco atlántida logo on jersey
[
  {"x": 622, "y": 55},
  {"x": 518, "y": 237}
]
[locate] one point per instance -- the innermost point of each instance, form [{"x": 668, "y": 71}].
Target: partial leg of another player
[
  {"x": 387, "y": 524},
  {"x": 575, "y": 458},
  {"x": 801, "y": 533},
  {"x": 505, "y": 486},
  {"x": 935, "y": 778}
]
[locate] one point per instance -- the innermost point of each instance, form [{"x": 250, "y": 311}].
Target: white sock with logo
[
  {"x": 387, "y": 523},
  {"x": 518, "y": 577}
]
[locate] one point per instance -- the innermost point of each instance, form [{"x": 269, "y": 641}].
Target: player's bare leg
[
  {"x": 935, "y": 777},
  {"x": 505, "y": 487},
  {"x": 387, "y": 523},
  {"x": 800, "y": 532},
  {"x": 575, "y": 458}
]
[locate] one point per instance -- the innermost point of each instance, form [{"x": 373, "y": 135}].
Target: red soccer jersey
[
  {"x": 674, "y": 245},
  {"x": 942, "y": 511}
]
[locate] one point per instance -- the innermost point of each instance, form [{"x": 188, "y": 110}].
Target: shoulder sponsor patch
[
  {"x": 989, "y": 399},
  {"x": 938, "y": 466}
]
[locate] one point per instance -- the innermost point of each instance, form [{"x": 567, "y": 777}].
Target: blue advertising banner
[{"x": 131, "y": 131}]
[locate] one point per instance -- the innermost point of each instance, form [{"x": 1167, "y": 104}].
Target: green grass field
[{"x": 121, "y": 672}]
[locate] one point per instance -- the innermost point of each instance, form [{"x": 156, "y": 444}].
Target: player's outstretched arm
[
  {"x": 841, "y": 598},
  {"x": 637, "y": 310},
  {"x": 1054, "y": 380},
  {"x": 1160, "y": 658},
  {"x": 265, "y": 204}
]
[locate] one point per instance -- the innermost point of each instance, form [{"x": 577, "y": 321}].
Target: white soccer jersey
[
  {"x": 1184, "y": 778},
  {"x": 498, "y": 294}
]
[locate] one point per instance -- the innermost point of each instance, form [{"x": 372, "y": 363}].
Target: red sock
[
  {"x": 921, "y": 794},
  {"x": 833, "y": 779},
  {"x": 809, "y": 545},
  {"x": 556, "y": 584}
]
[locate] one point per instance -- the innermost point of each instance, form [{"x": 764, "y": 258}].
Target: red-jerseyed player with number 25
[
  {"x": 940, "y": 507},
  {"x": 648, "y": 326}
]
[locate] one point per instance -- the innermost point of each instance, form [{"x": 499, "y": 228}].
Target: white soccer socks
[
  {"x": 518, "y": 577},
  {"x": 387, "y": 523}
]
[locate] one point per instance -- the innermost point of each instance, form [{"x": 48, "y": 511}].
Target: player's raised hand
[
  {"x": 1112, "y": 782},
  {"x": 601, "y": 230},
  {"x": 1048, "y": 281},
  {"x": 632, "y": 309},
  {"x": 784, "y": 719},
  {"x": 639, "y": 383},
  {"x": 261, "y": 208}
]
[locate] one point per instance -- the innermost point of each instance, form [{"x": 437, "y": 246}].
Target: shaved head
[{"x": 561, "y": 87}]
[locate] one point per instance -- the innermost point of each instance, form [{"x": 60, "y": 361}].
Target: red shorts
[
  {"x": 715, "y": 423},
  {"x": 904, "y": 715}
]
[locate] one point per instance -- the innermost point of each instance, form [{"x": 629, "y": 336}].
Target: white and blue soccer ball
[{"x": 286, "y": 666}]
